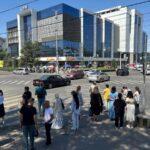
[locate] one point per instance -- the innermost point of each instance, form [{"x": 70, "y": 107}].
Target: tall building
[
  {"x": 61, "y": 22},
  {"x": 2, "y": 43},
  {"x": 78, "y": 33},
  {"x": 144, "y": 42},
  {"x": 128, "y": 30}
]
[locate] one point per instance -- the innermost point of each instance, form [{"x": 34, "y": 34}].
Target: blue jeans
[
  {"x": 41, "y": 105},
  {"x": 28, "y": 131},
  {"x": 111, "y": 110}
]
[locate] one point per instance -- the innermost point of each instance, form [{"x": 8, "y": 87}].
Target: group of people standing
[{"x": 123, "y": 105}]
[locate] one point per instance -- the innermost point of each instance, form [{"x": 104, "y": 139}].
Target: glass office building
[
  {"x": 88, "y": 34},
  {"x": 108, "y": 39},
  {"x": 67, "y": 28}
]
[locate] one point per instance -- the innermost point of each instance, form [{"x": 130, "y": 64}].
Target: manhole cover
[{"x": 6, "y": 141}]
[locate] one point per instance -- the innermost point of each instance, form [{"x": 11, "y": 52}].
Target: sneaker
[{"x": 128, "y": 126}]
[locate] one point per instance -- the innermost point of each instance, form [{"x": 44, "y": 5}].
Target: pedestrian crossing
[{"x": 15, "y": 82}]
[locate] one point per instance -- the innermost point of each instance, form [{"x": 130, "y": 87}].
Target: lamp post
[
  {"x": 57, "y": 55},
  {"x": 120, "y": 60}
]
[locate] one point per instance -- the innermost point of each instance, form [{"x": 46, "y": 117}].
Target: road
[{"x": 13, "y": 87}]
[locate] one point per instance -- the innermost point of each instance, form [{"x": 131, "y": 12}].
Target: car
[
  {"x": 147, "y": 72},
  {"x": 51, "y": 81},
  {"x": 75, "y": 74},
  {"x": 21, "y": 71},
  {"x": 87, "y": 73},
  {"x": 98, "y": 77},
  {"x": 122, "y": 72}
]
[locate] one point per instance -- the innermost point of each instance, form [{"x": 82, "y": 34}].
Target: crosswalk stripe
[
  {"x": 6, "y": 82},
  {"x": 2, "y": 81},
  {"x": 20, "y": 82},
  {"x": 27, "y": 82},
  {"x": 12, "y": 97},
  {"x": 13, "y": 82}
]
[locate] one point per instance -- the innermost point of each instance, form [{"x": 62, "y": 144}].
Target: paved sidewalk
[{"x": 91, "y": 136}]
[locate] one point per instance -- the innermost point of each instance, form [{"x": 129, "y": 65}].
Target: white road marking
[
  {"x": 14, "y": 82},
  {"x": 20, "y": 82},
  {"x": 27, "y": 82}
]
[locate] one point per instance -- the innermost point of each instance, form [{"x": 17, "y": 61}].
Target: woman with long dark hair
[
  {"x": 75, "y": 108},
  {"x": 96, "y": 103}
]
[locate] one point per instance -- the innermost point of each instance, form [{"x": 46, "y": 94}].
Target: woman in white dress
[
  {"x": 58, "y": 113},
  {"x": 130, "y": 110}
]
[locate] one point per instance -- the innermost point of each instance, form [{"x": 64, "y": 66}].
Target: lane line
[
  {"x": 27, "y": 82},
  {"x": 20, "y": 82}
]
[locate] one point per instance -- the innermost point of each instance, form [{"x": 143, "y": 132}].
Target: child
[
  {"x": 48, "y": 117},
  {"x": 119, "y": 106},
  {"x": 75, "y": 108},
  {"x": 2, "y": 110}
]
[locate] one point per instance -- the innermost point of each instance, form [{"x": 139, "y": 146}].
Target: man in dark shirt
[
  {"x": 26, "y": 95},
  {"x": 41, "y": 93},
  {"x": 28, "y": 122},
  {"x": 119, "y": 106}
]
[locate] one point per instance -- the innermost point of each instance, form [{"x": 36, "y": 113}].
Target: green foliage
[
  {"x": 3, "y": 54},
  {"x": 30, "y": 53},
  {"x": 114, "y": 63}
]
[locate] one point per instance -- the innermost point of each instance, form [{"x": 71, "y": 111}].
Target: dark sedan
[
  {"x": 51, "y": 81},
  {"x": 122, "y": 72}
]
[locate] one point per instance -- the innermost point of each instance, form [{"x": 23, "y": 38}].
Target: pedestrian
[
  {"x": 119, "y": 106},
  {"x": 41, "y": 94},
  {"x": 92, "y": 87},
  {"x": 113, "y": 96},
  {"x": 106, "y": 94},
  {"x": 96, "y": 103},
  {"x": 130, "y": 110},
  {"x": 26, "y": 95},
  {"x": 48, "y": 117},
  {"x": 2, "y": 109},
  {"x": 28, "y": 123},
  {"x": 79, "y": 92},
  {"x": 58, "y": 113},
  {"x": 124, "y": 92},
  {"x": 137, "y": 97},
  {"x": 75, "y": 108}
]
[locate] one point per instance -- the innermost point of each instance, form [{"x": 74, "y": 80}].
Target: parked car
[
  {"x": 51, "y": 81},
  {"x": 21, "y": 71},
  {"x": 98, "y": 77},
  {"x": 75, "y": 74},
  {"x": 147, "y": 72},
  {"x": 122, "y": 72}
]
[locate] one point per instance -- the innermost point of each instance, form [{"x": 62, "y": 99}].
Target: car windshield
[
  {"x": 45, "y": 77},
  {"x": 20, "y": 69}
]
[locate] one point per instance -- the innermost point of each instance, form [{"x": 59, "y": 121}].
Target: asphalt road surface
[{"x": 13, "y": 88}]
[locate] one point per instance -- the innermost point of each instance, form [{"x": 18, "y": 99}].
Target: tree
[
  {"x": 3, "y": 54},
  {"x": 30, "y": 53}
]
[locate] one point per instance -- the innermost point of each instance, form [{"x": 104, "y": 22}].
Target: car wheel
[
  {"x": 68, "y": 82},
  {"x": 50, "y": 86}
]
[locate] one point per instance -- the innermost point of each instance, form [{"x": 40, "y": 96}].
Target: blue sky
[{"x": 93, "y": 5}]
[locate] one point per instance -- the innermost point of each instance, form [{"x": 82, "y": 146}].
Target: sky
[{"x": 92, "y": 5}]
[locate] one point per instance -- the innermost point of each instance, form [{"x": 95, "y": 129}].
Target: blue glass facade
[
  {"x": 27, "y": 28},
  {"x": 108, "y": 39},
  {"x": 99, "y": 50},
  {"x": 12, "y": 24},
  {"x": 61, "y": 9},
  {"x": 88, "y": 30},
  {"x": 13, "y": 49},
  {"x": 65, "y": 48}
]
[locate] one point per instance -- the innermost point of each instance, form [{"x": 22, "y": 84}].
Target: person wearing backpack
[
  {"x": 41, "y": 93},
  {"x": 58, "y": 113}
]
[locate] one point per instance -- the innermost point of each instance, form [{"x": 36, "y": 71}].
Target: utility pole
[
  {"x": 120, "y": 59},
  {"x": 57, "y": 55}
]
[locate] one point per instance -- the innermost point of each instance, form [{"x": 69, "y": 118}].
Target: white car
[
  {"x": 147, "y": 71},
  {"x": 98, "y": 77},
  {"x": 87, "y": 73},
  {"x": 21, "y": 71}
]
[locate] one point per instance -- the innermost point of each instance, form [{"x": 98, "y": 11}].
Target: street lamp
[{"x": 56, "y": 32}]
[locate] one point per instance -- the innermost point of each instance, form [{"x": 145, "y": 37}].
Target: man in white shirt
[{"x": 48, "y": 117}]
